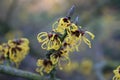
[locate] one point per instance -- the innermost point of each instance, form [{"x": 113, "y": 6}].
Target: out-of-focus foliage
[{"x": 26, "y": 18}]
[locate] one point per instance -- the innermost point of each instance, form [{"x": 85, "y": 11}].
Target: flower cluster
[
  {"x": 117, "y": 73},
  {"x": 64, "y": 38},
  {"x": 14, "y": 50}
]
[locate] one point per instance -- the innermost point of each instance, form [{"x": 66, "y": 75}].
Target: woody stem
[
  {"x": 19, "y": 73},
  {"x": 53, "y": 72}
]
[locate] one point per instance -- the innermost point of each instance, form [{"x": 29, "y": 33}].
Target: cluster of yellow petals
[
  {"x": 47, "y": 65},
  {"x": 117, "y": 73},
  {"x": 15, "y": 50},
  {"x": 75, "y": 37},
  {"x": 64, "y": 24},
  {"x": 61, "y": 25},
  {"x": 71, "y": 44},
  {"x": 52, "y": 41},
  {"x": 44, "y": 65},
  {"x": 74, "y": 40},
  {"x": 49, "y": 40},
  {"x": 60, "y": 56}
]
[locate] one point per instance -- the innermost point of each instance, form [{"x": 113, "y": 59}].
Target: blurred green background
[{"x": 26, "y": 18}]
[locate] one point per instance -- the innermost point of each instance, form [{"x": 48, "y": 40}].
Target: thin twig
[{"x": 19, "y": 73}]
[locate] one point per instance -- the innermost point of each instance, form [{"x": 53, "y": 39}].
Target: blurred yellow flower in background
[
  {"x": 72, "y": 67},
  {"x": 18, "y": 49},
  {"x": 86, "y": 66},
  {"x": 15, "y": 50}
]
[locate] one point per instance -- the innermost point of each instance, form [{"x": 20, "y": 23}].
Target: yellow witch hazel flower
[
  {"x": 44, "y": 65},
  {"x": 64, "y": 24},
  {"x": 61, "y": 25},
  {"x": 71, "y": 44},
  {"x": 86, "y": 40},
  {"x": 49, "y": 40},
  {"x": 79, "y": 35},
  {"x": 61, "y": 55},
  {"x": 18, "y": 49},
  {"x": 117, "y": 74},
  {"x": 72, "y": 27}
]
